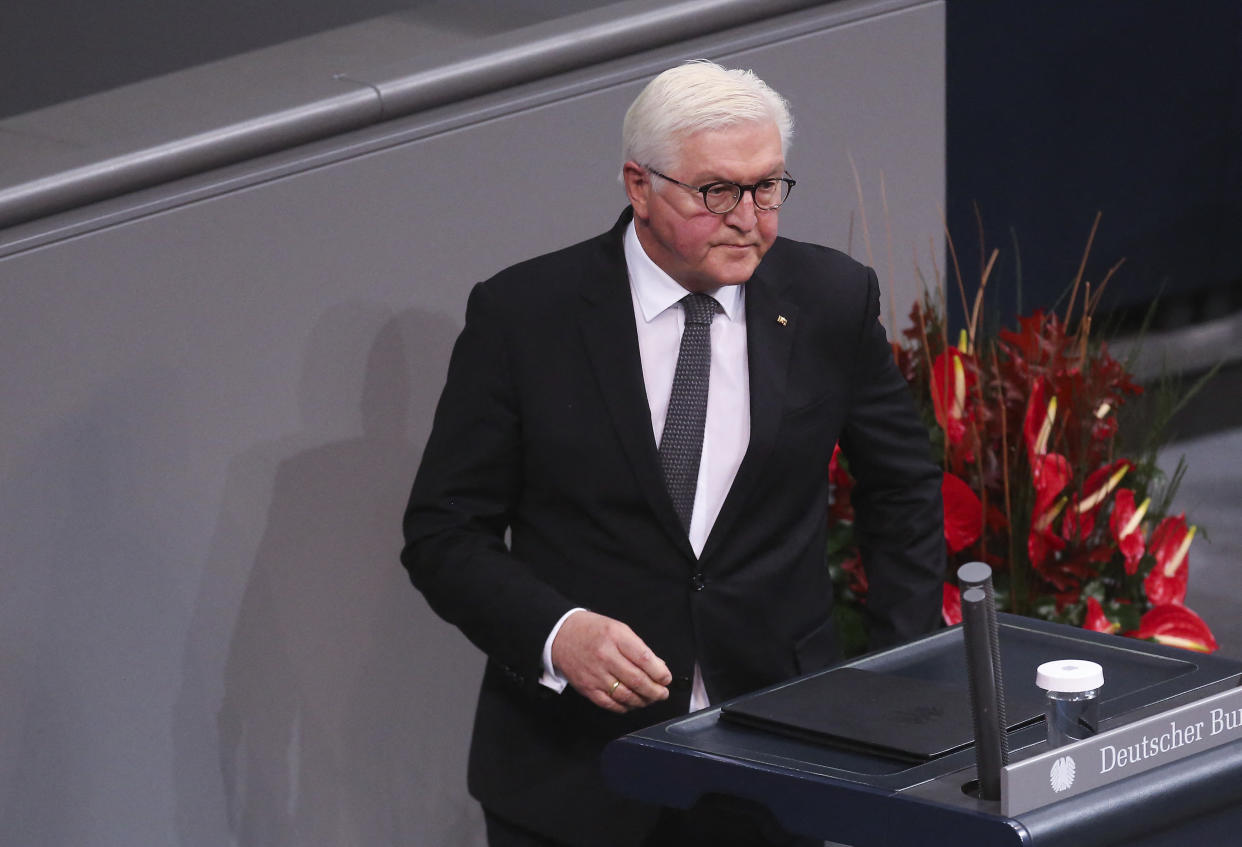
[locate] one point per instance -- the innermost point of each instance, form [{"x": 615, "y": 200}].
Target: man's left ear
[{"x": 637, "y": 187}]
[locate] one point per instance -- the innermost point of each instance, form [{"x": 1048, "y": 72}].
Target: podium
[{"x": 865, "y": 798}]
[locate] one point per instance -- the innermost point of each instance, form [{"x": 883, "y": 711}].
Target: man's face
[{"x": 699, "y": 249}]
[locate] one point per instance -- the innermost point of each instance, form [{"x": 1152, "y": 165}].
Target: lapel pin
[{"x": 782, "y": 320}]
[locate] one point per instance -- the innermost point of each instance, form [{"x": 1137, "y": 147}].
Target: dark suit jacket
[{"x": 544, "y": 430}]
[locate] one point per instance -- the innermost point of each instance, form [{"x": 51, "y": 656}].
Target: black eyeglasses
[{"x": 722, "y": 197}]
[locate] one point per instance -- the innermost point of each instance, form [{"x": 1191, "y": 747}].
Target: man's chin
[
  {"x": 720, "y": 274},
  {"x": 735, "y": 273}
]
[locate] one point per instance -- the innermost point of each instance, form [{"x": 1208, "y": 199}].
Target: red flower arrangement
[{"x": 1026, "y": 426}]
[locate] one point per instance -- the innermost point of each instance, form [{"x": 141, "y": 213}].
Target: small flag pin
[{"x": 782, "y": 320}]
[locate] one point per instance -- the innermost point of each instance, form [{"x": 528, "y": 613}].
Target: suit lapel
[
  {"x": 611, "y": 341},
  {"x": 771, "y": 322}
]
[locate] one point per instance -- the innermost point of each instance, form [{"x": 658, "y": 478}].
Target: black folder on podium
[{"x": 872, "y": 712}]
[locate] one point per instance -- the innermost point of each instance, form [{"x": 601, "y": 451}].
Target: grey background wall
[
  {"x": 65, "y": 49},
  {"x": 212, "y": 412}
]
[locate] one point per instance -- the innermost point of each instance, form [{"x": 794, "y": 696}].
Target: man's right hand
[{"x": 593, "y": 652}]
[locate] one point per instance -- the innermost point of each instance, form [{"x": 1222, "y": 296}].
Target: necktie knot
[{"x": 700, "y": 308}]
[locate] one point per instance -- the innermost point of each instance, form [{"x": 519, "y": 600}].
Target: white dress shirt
[{"x": 660, "y": 320}]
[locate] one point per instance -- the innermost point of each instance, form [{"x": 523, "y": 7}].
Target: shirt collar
[{"x": 657, "y": 291}]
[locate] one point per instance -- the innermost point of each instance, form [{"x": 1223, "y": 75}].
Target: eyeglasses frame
[{"x": 703, "y": 189}]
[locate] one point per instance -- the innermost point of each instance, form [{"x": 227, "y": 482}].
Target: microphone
[
  {"x": 979, "y": 575},
  {"x": 983, "y": 668}
]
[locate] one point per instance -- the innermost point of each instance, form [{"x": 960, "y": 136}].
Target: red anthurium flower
[
  {"x": 1101, "y": 483},
  {"x": 1077, "y": 524},
  {"x": 950, "y": 387},
  {"x": 1080, "y": 516},
  {"x": 963, "y": 513},
  {"x": 1177, "y": 626},
  {"x": 1041, "y": 411},
  {"x": 1050, "y": 472},
  {"x": 951, "y": 605},
  {"x": 1170, "y": 544},
  {"x": 1097, "y": 620},
  {"x": 1042, "y": 540},
  {"x": 1126, "y": 524},
  {"x": 1161, "y": 589}
]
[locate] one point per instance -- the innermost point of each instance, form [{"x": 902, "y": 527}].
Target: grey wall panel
[{"x": 211, "y": 416}]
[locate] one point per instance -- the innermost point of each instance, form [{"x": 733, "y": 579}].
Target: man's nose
[{"x": 744, "y": 215}]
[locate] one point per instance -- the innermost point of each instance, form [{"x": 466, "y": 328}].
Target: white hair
[{"x": 696, "y": 96}]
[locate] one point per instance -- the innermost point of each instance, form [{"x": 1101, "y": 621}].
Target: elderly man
[{"x": 650, "y": 416}]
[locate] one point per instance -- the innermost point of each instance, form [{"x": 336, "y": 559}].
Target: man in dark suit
[{"x": 659, "y": 460}]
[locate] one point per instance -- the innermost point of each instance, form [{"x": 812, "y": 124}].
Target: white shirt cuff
[
  {"x": 551, "y": 677},
  {"x": 698, "y": 691}
]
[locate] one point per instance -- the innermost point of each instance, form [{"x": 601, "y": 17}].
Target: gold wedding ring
[{"x": 613, "y": 690}]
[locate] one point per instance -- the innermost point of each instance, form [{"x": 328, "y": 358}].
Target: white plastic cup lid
[{"x": 1069, "y": 675}]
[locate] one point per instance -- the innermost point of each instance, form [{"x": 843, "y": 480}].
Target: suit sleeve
[
  {"x": 462, "y": 500},
  {"x": 899, "y": 516}
]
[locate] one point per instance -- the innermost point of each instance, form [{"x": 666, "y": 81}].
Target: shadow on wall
[{"x": 346, "y": 704}]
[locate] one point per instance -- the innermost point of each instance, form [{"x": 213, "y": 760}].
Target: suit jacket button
[{"x": 696, "y": 582}]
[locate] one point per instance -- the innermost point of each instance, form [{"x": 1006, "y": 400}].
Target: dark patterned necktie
[{"x": 681, "y": 444}]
